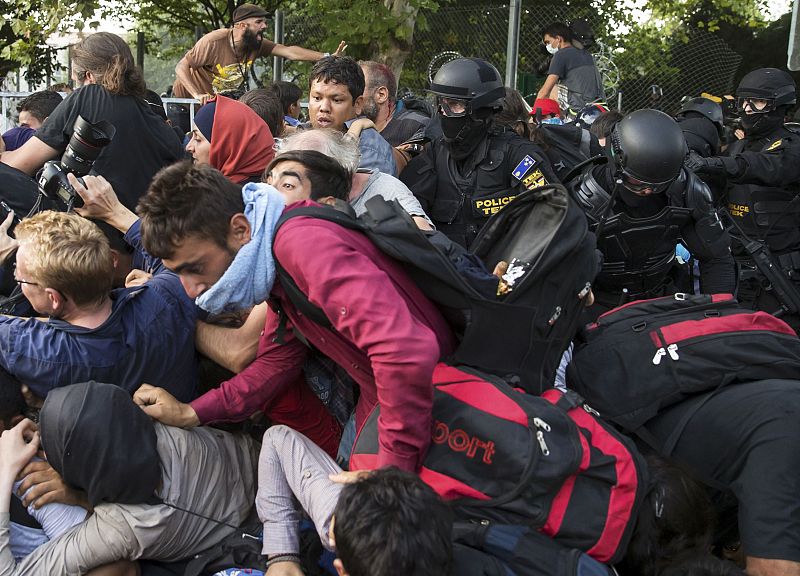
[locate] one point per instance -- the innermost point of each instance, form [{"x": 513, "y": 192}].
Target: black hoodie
[{"x": 101, "y": 442}]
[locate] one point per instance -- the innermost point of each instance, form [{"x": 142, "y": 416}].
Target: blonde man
[{"x": 64, "y": 267}]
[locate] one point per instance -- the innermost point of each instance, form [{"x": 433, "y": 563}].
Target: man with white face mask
[{"x": 572, "y": 71}]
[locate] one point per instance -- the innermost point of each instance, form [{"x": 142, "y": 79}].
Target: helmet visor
[
  {"x": 452, "y": 107},
  {"x": 755, "y": 105},
  {"x": 640, "y": 186}
]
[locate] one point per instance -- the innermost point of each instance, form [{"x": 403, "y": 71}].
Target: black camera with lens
[{"x": 85, "y": 145}]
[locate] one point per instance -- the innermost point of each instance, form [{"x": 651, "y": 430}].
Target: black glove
[
  {"x": 697, "y": 163},
  {"x": 713, "y": 165}
]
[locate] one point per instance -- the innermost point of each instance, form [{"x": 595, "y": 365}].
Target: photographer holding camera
[{"x": 111, "y": 89}]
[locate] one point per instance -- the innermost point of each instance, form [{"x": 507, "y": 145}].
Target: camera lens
[{"x": 85, "y": 145}]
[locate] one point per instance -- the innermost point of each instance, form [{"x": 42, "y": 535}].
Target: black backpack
[
  {"x": 520, "y": 336},
  {"x": 507, "y": 550},
  {"x": 568, "y": 145},
  {"x": 582, "y": 32},
  {"x": 650, "y": 354}
]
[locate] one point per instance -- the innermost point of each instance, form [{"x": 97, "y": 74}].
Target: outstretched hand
[
  {"x": 164, "y": 407},
  {"x": 101, "y": 202}
]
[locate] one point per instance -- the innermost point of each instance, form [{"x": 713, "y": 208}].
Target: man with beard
[
  {"x": 221, "y": 61},
  {"x": 477, "y": 166},
  {"x": 392, "y": 118},
  {"x": 763, "y": 175}
]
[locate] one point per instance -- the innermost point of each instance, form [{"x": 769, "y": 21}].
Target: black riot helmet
[
  {"x": 771, "y": 84},
  {"x": 472, "y": 81},
  {"x": 704, "y": 107},
  {"x": 648, "y": 148}
]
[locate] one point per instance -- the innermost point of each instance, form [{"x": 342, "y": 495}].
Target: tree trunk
[{"x": 396, "y": 48}]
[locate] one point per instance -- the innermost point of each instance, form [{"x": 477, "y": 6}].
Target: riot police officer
[
  {"x": 641, "y": 203},
  {"x": 702, "y": 123},
  {"x": 476, "y": 167},
  {"x": 763, "y": 175}
]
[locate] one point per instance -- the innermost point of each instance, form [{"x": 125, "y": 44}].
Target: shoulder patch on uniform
[
  {"x": 523, "y": 168},
  {"x": 535, "y": 180},
  {"x": 775, "y": 144}
]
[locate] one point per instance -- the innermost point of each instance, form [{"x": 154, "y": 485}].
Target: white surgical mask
[{"x": 551, "y": 49}]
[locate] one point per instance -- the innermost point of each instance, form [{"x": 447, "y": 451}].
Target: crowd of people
[{"x": 200, "y": 321}]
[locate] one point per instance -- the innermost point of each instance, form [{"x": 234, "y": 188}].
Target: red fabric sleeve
[
  {"x": 256, "y": 387},
  {"x": 367, "y": 309}
]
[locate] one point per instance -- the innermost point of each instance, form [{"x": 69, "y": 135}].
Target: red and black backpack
[
  {"x": 650, "y": 354},
  {"x": 501, "y": 456}
]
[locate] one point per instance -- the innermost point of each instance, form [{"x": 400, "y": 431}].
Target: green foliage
[
  {"x": 711, "y": 15},
  {"x": 645, "y": 53},
  {"x": 28, "y": 24},
  {"x": 643, "y": 57},
  {"x": 365, "y": 22},
  {"x": 670, "y": 49}
]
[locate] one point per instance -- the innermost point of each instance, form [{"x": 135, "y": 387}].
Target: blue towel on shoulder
[{"x": 249, "y": 278}]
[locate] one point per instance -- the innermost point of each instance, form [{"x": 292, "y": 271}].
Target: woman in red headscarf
[{"x": 233, "y": 139}]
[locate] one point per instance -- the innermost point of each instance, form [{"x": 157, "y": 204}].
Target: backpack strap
[
  {"x": 584, "y": 145},
  {"x": 295, "y": 295}
]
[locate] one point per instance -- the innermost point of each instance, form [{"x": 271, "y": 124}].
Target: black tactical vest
[
  {"x": 765, "y": 212},
  {"x": 465, "y": 201},
  {"x": 638, "y": 252}
]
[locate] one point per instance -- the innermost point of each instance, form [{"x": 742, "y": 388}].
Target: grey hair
[{"x": 341, "y": 147}]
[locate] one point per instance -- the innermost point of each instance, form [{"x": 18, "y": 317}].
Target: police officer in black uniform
[
  {"x": 702, "y": 123},
  {"x": 476, "y": 167},
  {"x": 763, "y": 175},
  {"x": 643, "y": 202}
]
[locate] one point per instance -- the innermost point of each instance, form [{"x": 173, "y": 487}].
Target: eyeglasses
[
  {"x": 636, "y": 185},
  {"x": 21, "y": 282},
  {"x": 756, "y": 105},
  {"x": 452, "y": 107}
]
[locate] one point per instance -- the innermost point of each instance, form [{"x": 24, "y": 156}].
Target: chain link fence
[
  {"x": 451, "y": 31},
  {"x": 685, "y": 67},
  {"x": 677, "y": 67},
  {"x": 656, "y": 74}
]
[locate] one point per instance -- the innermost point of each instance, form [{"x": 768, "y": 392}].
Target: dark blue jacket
[{"x": 149, "y": 338}]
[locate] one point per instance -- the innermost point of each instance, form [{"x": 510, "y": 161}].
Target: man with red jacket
[{"x": 386, "y": 334}]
